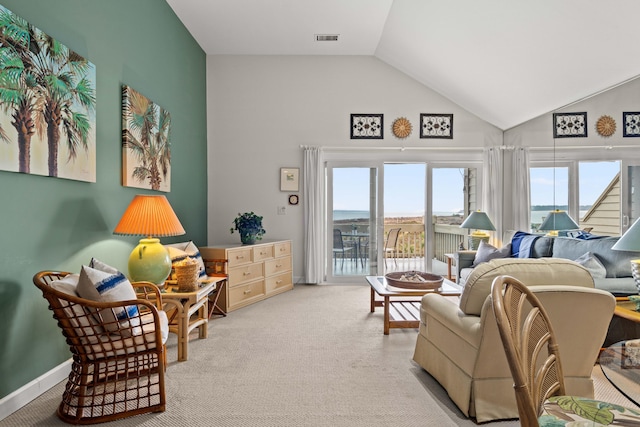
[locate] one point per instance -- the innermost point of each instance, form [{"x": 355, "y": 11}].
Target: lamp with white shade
[
  {"x": 151, "y": 216},
  {"x": 558, "y": 220},
  {"x": 630, "y": 241},
  {"x": 480, "y": 222}
]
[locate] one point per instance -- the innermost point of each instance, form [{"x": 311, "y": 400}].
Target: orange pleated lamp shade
[{"x": 149, "y": 215}]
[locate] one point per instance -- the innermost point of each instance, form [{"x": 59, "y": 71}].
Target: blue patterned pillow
[
  {"x": 103, "y": 283},
  {"x": 180, "y": 251}
]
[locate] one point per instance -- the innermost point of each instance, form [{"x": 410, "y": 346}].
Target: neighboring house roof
[{"x": 604, "y": 214}]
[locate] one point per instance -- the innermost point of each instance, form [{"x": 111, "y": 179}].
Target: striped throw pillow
[{"x": 103, "y": 283}]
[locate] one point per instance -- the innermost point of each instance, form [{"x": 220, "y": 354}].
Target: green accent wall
[{"x": 58, "y": 224}]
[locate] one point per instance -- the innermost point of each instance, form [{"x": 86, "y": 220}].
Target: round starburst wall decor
[
  {"x": 606, "y": 126},
  {"x": 401, "y": 127}
]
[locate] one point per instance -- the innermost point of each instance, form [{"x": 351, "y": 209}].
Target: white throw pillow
[
  {"x": 591, "y": 262},
  {"x": 179, "y": 251},
  {"x": 104, "y": 283},
  {"x": 487, "y": 252},
  {"x": 79, "y": 318}
]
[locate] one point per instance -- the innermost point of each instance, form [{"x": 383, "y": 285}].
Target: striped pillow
[
  {"x": 179, "y": 251},
  {"x": 104, "y": 283}
]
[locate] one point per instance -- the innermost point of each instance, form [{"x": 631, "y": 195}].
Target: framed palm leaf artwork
[
  {"x": 47, "y": 104},
  {"x": 146, "y": 148}
]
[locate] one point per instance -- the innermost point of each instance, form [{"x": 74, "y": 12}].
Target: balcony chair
[
  {"x": 339, "y": 247},
  {"x": 390, "y": 246},
  {"x": 534, "y": 359},
  {"x": 119, "y": 364}
]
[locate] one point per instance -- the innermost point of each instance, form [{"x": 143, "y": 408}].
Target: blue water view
[{"x": 343, "y": 215}]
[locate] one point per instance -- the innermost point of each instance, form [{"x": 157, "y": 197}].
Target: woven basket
[
  {"x": 431, "y": 281},
  {"x": 187, "y": 277}
]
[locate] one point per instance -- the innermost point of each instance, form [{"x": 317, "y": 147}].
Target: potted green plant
[{"x": 249, "y": 225}]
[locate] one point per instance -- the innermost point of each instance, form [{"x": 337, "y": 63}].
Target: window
[
  {"x": 545, "y": 196},
  {"x": 591, "y": 194}
]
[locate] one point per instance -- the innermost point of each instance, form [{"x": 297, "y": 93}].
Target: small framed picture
[
  {"x": 367, "y": 126},
  {"x": 289, "y": 179},
  {"x": 436, "y": 126},
  {"x": 631, "y": 124},
  {"x": 569, "y": 125}
]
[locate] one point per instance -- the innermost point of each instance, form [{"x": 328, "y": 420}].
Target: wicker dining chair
[
  {"x": 534, "y": 360},
  {"x": 118, "y": 366}
]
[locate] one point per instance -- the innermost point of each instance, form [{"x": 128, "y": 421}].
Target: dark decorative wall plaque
[
  {"x": 569, "y": 125},
  {"x": 436, "y": 126},
  {"x": 631, "y": 124},
  {"x": 367, "y": 126}
]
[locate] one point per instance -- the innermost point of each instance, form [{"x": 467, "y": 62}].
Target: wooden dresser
[{"x": 255, "y": 271}]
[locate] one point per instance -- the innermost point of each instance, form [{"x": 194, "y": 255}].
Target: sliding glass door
[
  {"x": 630, "y": 194},
  {"x": 352, "y": 220}
]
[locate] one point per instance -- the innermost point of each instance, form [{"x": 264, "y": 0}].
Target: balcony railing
[{"x": 411, "y": 241}]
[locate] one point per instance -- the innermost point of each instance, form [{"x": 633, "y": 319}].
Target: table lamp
[
  {"x": 558, "y": 220},
  {"x": 630, "y": 241},
  {"x": 153, "y": 217},
  {"x": 478, "y": 220}
]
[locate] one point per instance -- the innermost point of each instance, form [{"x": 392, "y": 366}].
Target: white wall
[
  {"x": 537, "y": 134},
  {"x": 262, "y": 108}
]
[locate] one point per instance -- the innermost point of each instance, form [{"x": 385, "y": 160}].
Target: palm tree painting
[
  {"x": 146, "y": 150},
  {"x": 47, "y": 104}
]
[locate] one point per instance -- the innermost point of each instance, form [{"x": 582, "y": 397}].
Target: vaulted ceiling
[{"x": 507, "y": 61}]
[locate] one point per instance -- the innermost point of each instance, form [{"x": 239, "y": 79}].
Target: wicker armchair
[{"x": 118, "y": 367}]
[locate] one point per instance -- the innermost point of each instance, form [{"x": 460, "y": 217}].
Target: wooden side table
[
  {"x": 187, "y": 311},
  {"x": 450, "y": 259}
]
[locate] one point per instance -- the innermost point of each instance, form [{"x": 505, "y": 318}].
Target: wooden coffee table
[{"x": 402, "y": 306}]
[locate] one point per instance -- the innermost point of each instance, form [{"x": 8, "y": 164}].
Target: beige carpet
[{"x": 314, "y": 356}]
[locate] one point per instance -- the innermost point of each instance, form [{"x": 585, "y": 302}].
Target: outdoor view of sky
[{"x": 405, "y": 187}]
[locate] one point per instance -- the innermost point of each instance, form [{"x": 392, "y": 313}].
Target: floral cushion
[{"x": 580, "y": 411}]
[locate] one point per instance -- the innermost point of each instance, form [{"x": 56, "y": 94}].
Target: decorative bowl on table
[
  {"x": 636, "y": 300},
  {"x": 414, "y": 280}
]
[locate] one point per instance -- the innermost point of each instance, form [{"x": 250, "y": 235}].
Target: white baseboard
[{"x": 25, "y": 394}]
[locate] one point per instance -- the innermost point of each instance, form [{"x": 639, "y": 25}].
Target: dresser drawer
[
  {"x": 277, "y": 265},
  {"x": 282, "y": 249},
  {"x": 238, "y": 256},
  {"x": 261, "y": 253},
  {"x": 245, "y": 273},
  {"x": 242, "y": 295},
  {"x": 280, "y": 281}
]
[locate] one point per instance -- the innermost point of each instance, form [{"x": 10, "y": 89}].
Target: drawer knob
[
  {"x": 248, "y": 291},
  {"x": 240, "y": 257},
  {"x": 278, "y": 282},
  {"x": 278, "y": 265},
  {"x": 246, "y": 273}
]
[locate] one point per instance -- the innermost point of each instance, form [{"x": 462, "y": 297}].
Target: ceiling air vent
[{"x": 327, "y": 37}]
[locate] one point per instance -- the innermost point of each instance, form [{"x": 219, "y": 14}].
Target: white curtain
[
  {"x": 492, "y": 193},
  {"x": 521, "y": 200},
  {"x": 313, "y": 203}
]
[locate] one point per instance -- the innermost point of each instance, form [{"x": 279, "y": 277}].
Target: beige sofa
[{"x": 459, "y": 344}]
